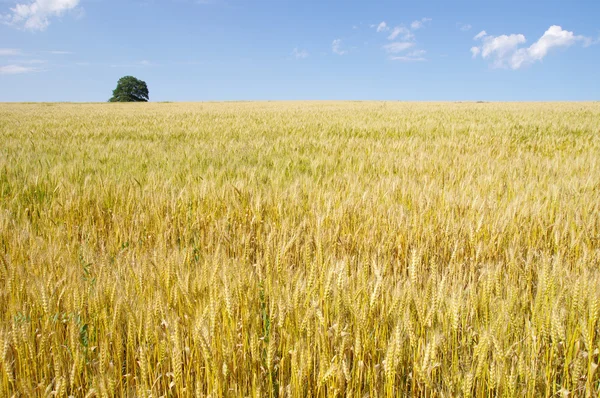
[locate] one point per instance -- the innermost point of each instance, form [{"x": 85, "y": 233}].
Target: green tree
[{"x": 130, "y": 89}]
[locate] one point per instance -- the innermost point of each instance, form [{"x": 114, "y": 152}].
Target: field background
[{"x": 300, "y": 249}]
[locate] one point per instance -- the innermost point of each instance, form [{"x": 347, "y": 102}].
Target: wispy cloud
[
  {"x": 480, "y": 35},
  {"x": 29, "y": 61},
  {"x": 402, "y": 38},
  {"x": 382, "y": 27},
  {"x": 401, "y": 30},
  {"x": 417, "y": 53},
  {"x": 16, "y": 69},
  {"x": 36, "y": 15},
  {"x": 504, "y": 51},
  {"x": 408, "y": 59},
  {"x": 9, "y": 52},
  {"x": 418, "y": 24},
  {"x": 413, "y": 56},
  {"x": 398, "y": 47},
  {"x": 140, "y": 64},
  {"x": 464, "y": 26},
  {"x": 299, "y": 54},
  {"x": 336, "y": 47},
  {"x": 145, "y": 3},
  {"x": 15, "y": 52}
]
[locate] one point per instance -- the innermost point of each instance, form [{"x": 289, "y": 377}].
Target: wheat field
[{"x": 300, "y": 249}]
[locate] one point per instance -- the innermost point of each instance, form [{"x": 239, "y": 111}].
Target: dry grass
[{"x": 299, "y": 249}]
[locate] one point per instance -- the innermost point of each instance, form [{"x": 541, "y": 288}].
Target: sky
[{"x": 227, "y": 50}]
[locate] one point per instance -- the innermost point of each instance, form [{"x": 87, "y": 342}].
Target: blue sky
[{"x": 200, "y": 50}]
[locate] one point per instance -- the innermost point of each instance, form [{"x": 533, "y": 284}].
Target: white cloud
[
  {"x": 501, "y": 46},
  {"x": 418, "y": 24},
  {"x": 299, "y": 54},
  {"x": 397, "y": 47},
  {"x": 36, "y": 15},
  {"x": 336, "y": 47},
  {"x": 504, "y": 50},
  {"x": 60, "y": 52},
  {"x": 555, "y": 36},
  {"x": 16, "y": 69},
  {"x": 30, "y": 61},
  {"x": 9, "y": 51},
  {"x": 382, "y": 27},
  {"x": 408, "y": 59},
  {"x": 480, "y": 35},
  {"x": 417, "y": 53},
  {"x": 401, "y": 30},
  {"x": 413, "y": 56},
  {"x": 402, "y": 39},
  {"x": 138, "y": 64},
  {"x": 465, "y": 27}
]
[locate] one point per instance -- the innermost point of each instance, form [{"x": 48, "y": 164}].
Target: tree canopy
[{"x": 130, "y": 89}]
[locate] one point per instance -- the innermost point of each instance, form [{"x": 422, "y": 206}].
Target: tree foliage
[{"x": 130, "y": 89}]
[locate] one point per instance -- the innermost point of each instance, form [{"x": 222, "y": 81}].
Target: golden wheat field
[{"x": 300, "y": 249}]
